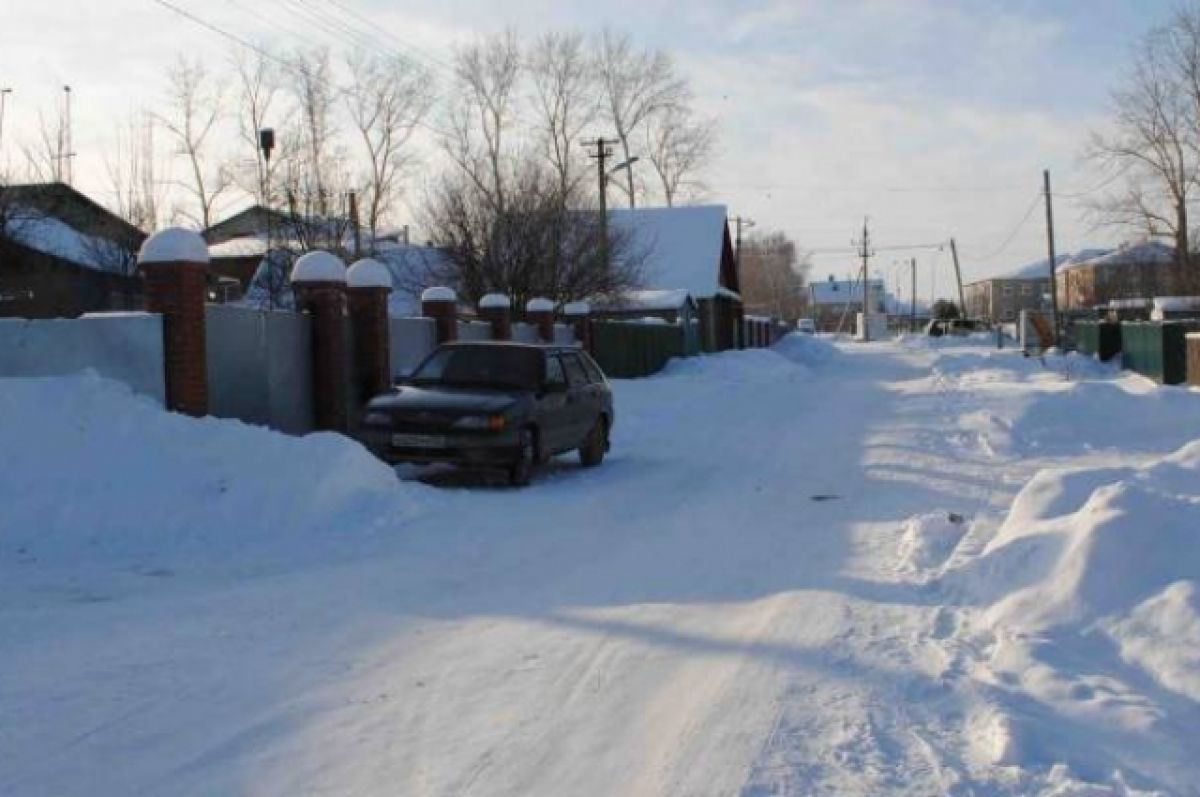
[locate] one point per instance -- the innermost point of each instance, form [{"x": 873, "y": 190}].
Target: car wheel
[
  {"x": 521, "y": 472},
  {"x": 591, "y": 453}
]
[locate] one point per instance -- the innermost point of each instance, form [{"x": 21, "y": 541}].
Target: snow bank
[
  {"x": 928, "y": 540},
  {"x": 96, "y": 474},
  {"x": 807, "y": 350}
]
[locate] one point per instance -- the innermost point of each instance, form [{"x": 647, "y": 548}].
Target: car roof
[{"x": 511, "y": 344}]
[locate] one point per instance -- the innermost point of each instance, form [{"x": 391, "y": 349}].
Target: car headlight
[
  {"x": 377, "y": 419},
  {"x": 492, "y": 423}
]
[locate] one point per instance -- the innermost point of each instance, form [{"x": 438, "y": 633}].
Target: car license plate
[{"x": 418, "y": 441}]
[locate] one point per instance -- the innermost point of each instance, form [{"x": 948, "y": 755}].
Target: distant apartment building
[
  {"x": 1137, "y": 271},
  {"x": 1003, "y": 298}
]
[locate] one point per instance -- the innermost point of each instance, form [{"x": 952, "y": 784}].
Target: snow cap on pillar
[
  {"x": 368, "y": 273},
  {"x": 174, "y": 245},
  {"x": 439, "y": 294},
  {"x": 319, "y": 266},
  {"x": 577, "y": 308},
  {"x": 539, "y": 306},
  {"x": 495, "y": 301}
]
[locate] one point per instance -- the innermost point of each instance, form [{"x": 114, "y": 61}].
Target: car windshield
[{"x": 482, "y": 366}]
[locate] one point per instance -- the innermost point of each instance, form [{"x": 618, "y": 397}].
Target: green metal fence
[
  {"x": 626, "y": 350},
  {"x": 1098, "y": 338},
  {"x": 1157, "y": 349}
]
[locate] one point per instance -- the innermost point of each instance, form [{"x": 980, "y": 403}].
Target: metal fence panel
[
  {"x": 127, "y": 347},
  {"x": 411, "y": 341}
]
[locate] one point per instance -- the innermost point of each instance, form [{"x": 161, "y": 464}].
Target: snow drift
[{"x": 96, "y": 474}]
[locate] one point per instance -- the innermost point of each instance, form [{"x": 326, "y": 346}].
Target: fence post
[
  {"x": 368, "y": 283},
  {"x": 578, "y": 315},
  {"x": 540, "y": 313},
  {"x": 496, "y": 309},
  {"x": 441, "y": 304},
  {"x": 175, "y": 262},
  {"x": 319, "y": 280}
]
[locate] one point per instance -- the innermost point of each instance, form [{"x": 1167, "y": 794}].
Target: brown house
[
  {"x": 62, "y": 254},
  {"x": 689, "y": 249},
  {"x": 1138, "y": 271}
]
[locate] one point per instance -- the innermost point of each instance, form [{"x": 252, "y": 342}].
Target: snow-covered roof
[
  {"x": 842, "y": 291},
  {"x": 649, "y": 300},
  {"x": 52, "y": 236},
  {"x": 539, "y": 305},
  {"x": 245, "y": 246},
  {"x": 174, "y": 245},
  {"x": 576, "y": 308},
  {"x": 682, "y": 246},
  {"x": 1139, "y": 253}
]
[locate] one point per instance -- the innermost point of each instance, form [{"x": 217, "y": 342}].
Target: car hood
[{"x": 450, "y": 400}]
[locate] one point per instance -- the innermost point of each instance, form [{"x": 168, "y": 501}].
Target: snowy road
[{"x": 761, "y": 592}]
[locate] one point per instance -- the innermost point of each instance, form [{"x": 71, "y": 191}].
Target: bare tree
[
  {"x": 539, "y": 244},
  {"x": 133, "y": 177},
  {"x": 483, "y": 114},
  {"x": 388, "y": 98},
  {"x": 316, "y": 171},
  {"x": 773, "y": 276},
  {"x": 565, "y": 98},
  {"x": 1155, "y": 140},
  {"x": 196, "y": 109},
  {"x": 259, "y": 106},
  {"x": 636, "y": 84},
  {"x": 45, "y": 155},
  {"x": 678, "y": 144}
]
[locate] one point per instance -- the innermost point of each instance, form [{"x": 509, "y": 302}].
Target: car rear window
[{"x": 482, "y": 366}]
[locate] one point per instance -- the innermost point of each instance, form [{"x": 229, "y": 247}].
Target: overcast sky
[{"x": 932, "y": 117}]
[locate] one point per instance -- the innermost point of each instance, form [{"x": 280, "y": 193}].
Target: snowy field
[{"x": 895, "y": 568}]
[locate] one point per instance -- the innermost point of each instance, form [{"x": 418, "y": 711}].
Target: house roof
[
  {"x": 57, "y": 220},
  {"x": 1130, "y": 254},
  {"x": 650, "y": 300},
  {"x": 842, "y": 291},
  {"x": 684, "y": 248}
]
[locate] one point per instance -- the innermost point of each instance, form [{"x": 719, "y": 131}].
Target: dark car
[{"x": 494, "y": 405}]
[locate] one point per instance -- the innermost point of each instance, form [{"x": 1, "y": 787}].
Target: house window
[
  {"x": 1010, "y": 315},
  {"x": 1008, "y": 290},
  {"x": 1026, "y": 290}
]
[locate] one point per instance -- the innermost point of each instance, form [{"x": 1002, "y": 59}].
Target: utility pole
[
  {"x": 66, "y": 169},
  {"x": 912, "y": 320},
  {"x": 740, "y": 223},
  {"x": 1053, "y": 257},
  {"x": 4, "y": 92},
  {"x": 864, "y": 251},
  {"x": 962, "y": 300},
  {"x": 602, "y": 151},
  {"x": 354, "y": 224}
]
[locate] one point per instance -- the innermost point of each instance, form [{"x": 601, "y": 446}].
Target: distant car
[
  {"x": 807, "y": 326},
  {"x": 952, "y": 326},
  {"x": 494, "y": 405}
]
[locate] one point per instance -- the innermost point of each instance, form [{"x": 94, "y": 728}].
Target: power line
[
  {"x": 1020, "y": 225},
  {"x": 219, "y": 31}
]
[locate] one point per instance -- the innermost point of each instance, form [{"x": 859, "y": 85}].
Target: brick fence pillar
[
  {"x": 496, "y": 309},
  {"x": 540, "y": 313},
  {"x": 175, "y": 264},
  {"x": 441, "y": 304},
  {"x": 319, "y": 280},
  {"x": 368, "y": 283},
  {"x": 579, "y": 316}
]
